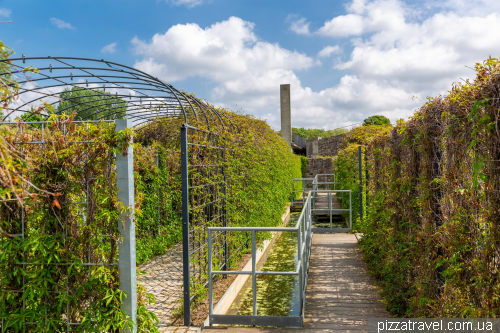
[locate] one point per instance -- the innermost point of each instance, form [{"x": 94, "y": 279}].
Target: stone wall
[
  {"x": 299, "y": 140},
  {"x": 330, "y": 146},
  {"x": 312, "y": 146},
  {"x": 317, "y": 166},
  {"x": 324, "y": 147}
]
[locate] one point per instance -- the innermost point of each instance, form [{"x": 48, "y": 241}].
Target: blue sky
[{"x": 345, "y": 60}]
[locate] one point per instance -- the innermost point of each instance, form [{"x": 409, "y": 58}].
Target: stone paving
[
  {"x": 178, "y": 329},
  {"x": 163, "y": 279}
]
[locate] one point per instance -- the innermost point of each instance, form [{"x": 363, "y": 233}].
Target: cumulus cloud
[
  {"x": 247, "y": 72},
  {"x": 397, "y": 58},
  {"x": 299, "y": 25},
  {"x": 427, "y": 55},
  {"x": 110, "y": 48},
  {"x": 187, "y": 3},
  {"x": 5, "y": 12},
  {"x": 329, "y": 50},
  {"x": 220, "y": 52},
  {"x": 60, "y": 23},
  {"x": 366, "y": 17}
]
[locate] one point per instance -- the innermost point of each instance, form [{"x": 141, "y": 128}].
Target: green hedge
[
  {"x": 432, "y": 231},
  {"x": 346, "y": 165},
  {"x": 259, "y": 168}
]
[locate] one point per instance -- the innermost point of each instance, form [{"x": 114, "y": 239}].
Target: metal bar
[
  {"x": 295, "y": 229},
  {"x": 256, "y": 272},
  {"x": 328, "y": 210},
  {"x": 329, "y": 230},
  {"x": 330, "y": 207},
  {"x": 126, "y": 225},
  {"x": 205, "y": 146},
  {"x": 224, "y": 212},
  {"x": 299, "y": 254},
  {"x": 366, "y": 177},
  {"x": 210, "y": 276},
  {"x": 350, "y": 210},
  {"x": 50, "y": 122},
  {"x": 254, "y": 277},
  {"x": 303, "y": 192},
  {"x": 185, "y": 225},
  {"x": 360, "y": 183},
  {"x": 256, "y": 320},
  {"x": 333, "y": 191}
]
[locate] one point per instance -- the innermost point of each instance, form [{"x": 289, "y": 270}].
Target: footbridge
[{"x": 332, "y": 290}]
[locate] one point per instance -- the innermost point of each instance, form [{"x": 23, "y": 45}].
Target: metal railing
[
  {"x": 329, "y": 210},
  {"x": 303, "y": 228},
  {"x": 321, "y": 205},
  {"x": 316, "y": 184}
]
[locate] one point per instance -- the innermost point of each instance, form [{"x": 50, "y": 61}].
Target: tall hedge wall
[{"x": 432, "y": 234}]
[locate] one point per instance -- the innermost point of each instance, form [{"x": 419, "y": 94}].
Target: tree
[
  {"x": 8, "y": 89},
  {"x": 310, "y": 133},
  {"x": 377, "y": 121},
  {"x": 91, "y": 104}
]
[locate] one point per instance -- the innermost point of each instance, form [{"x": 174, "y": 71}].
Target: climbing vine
[{"x": 431, "y": 236}]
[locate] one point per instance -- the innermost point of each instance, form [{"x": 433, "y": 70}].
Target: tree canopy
[
  {"x": 91, "y": 104},
  {"x": 310, "y": 133},
  {"x": 377, "y": 121}
]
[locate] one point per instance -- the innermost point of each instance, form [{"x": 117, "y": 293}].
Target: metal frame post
[
  {"x": 224, "y": 212},
  {"x": 330, "y": 208},
  {"x": 300, "y": 263},
  {"x": 350, "y": 210},
  {"x": 185, "y": 226},
  {"x": 366, "y": 177},
  {"x": 254, "y": 276},
  {"x": 360, "y": 184},
  {"x": 210, "y": 282},
  {"x": 126, "y": 226},
  {"x": 157, "y": 162}
]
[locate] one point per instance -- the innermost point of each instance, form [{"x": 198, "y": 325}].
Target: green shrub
[{"x": 431, "y": 233}]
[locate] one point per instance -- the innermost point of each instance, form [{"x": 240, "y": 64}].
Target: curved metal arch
[{"x": 70, "y": 72}]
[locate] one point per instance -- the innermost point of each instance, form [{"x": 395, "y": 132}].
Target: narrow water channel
[{"x": 276, "y": 294}]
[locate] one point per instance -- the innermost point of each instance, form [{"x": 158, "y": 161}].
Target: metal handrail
[
  {"x": 303, "y": 228},
  {"x": 315, "y": 184},
  {"x": 330, "y": 204}
]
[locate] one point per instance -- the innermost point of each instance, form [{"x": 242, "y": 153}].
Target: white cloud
[
  {"x": 329, "y": 50},
  {"x": 60, "y": 23},
  {"x": 221, "y": 52},
  {"x": 111, "y": 48},
  {"x": 396, "y": 54},
  {"x": 247, "y": 72},
  {"x": 187, "y": 3},
  {"x": 366, "y": 16},
  {"x": 299, "y": 25},
  {"x": 5, "y": 12},
  {"x": 425, "y": 56},
  {"x": 348, "y": 102}
]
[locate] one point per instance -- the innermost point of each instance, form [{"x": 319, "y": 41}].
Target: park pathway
[
  {"x": 341, "y": 296},
  {"x": 163, "y": 279}
]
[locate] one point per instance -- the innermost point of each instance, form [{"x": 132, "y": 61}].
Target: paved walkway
[
  {"x": 340, "y": 296},
  {"x": 163, "y": 279}
]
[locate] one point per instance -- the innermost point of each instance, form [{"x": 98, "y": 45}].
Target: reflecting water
[{"x": 277, "y": 295}]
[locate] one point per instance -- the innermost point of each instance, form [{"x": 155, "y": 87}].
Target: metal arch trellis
[{"x": 117, "y": 91}]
